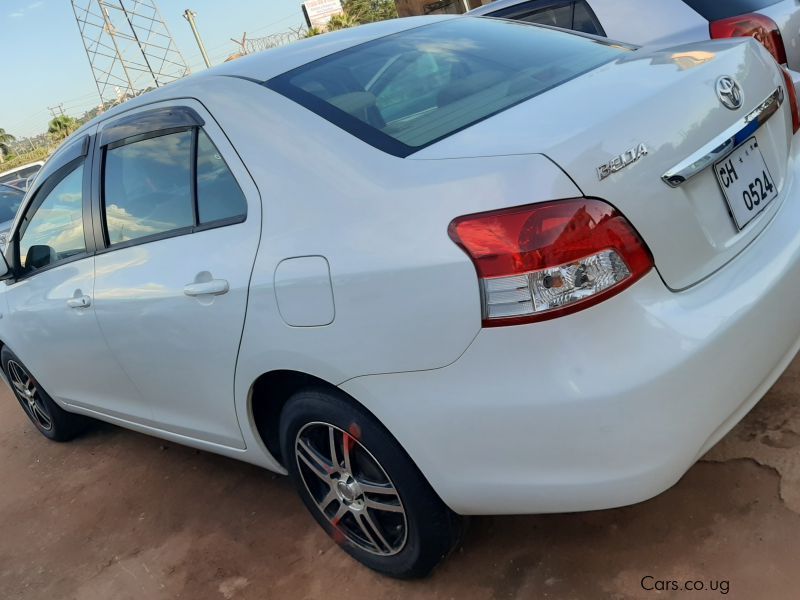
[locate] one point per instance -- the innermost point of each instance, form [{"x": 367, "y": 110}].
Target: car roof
[{"x": 275, "y": 61}]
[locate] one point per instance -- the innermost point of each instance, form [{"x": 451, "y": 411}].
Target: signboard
[{"x": 319, "y": 12}]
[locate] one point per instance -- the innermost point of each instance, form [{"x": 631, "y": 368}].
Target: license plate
[{"x": 746, "y": 182}]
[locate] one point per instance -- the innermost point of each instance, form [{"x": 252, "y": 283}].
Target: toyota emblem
[{"x": 729, "y": 92}]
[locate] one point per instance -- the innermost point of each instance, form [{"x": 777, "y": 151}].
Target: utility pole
[
  {"x": 59, "y": 108},
  {"x": 466, "y": 5},
  {"x": 189, "y": 16}
]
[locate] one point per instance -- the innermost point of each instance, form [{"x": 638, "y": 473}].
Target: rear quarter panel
[{"x": 406, "y": 297}]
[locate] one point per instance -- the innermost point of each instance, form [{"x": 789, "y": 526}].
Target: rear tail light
[
  {"x": 546, "y": 260},
  {"x": 754, "y": 25},
  {"x": 792, "y": 94}
]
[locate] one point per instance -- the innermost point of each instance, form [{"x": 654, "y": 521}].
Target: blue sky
[{"x": 44, "y": 62}]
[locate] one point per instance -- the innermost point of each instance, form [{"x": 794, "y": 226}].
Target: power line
[
  {"x": 294, "y": 16},
  {"x": 58, "y": 108}
]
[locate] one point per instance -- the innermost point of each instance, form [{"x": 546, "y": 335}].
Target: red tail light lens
[
  {"x": 754, "y": 25},
  {"x": 546, "y": 260},
  {"x": 792, "y": 95}
]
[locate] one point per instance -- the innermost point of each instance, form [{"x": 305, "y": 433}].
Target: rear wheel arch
[
  {"x": 272, "y": 390},
  {"x": 269, "y": 394}
]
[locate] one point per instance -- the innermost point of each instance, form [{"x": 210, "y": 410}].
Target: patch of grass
[{"x": 19, "y": 160}]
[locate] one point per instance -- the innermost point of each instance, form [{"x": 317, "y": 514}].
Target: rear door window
[
  {"x": 167, "y": 183},
  {"x": 147, "y": 187},
  {"x": 219, "y": 197}
]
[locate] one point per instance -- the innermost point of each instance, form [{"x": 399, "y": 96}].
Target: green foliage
[
  {"x": 60, "y": 127},
  {"x": 342, "y": 21},
  {"x": 358, "y": 12},
  {"x": 369, "y": 11},
  {"x": 5, "y": 138},
  {"x": 312, "y": 31},
  {"x": 19, "y": 160}
]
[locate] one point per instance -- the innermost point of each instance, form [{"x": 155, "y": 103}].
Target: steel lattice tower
[{"x": 129, "y": 47}]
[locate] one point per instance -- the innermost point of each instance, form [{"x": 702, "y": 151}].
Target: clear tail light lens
[
  {"x": 792, "y": 96},
  {"x": 753, "y": 25},
  {"x": 546, "y": 260}
]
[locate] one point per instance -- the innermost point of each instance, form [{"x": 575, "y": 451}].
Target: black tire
[
  {"x": 52, "y": 421},
  {"x": 431, "y": 528}
]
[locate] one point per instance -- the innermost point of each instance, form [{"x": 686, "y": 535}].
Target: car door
[
  {"x": 567, "y": 14},
  {"x": 51, "y": 323},
  {"x": 177, "y": 222}
]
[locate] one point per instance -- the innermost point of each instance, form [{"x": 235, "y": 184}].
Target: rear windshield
[
  {"x": 713, "y": 10},
  {"x": 405, "y": 91}
]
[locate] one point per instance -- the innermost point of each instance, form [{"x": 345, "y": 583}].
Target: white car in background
[
  {"x": 10, "y": 200},
  {"x": 428, "y": 267},
  {"x": 21, "y": 176},
  {"x": 776, "y": 23}
]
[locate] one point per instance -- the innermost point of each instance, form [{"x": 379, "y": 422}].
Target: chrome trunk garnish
[{"x": 722, "y": 145}]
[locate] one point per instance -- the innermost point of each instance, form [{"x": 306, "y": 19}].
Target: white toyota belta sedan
[{"x": 429, "y": 267}]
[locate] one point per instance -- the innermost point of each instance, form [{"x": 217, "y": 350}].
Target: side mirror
[{"x": 39, "y": 256}]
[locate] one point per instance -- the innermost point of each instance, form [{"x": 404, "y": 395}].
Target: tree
[
  {"x": 5, "y": 139},
  {"x": 341, "y": 21},
  {"x": 357, "y": 12},
  {"x": 312, "y": 31},
  {"x": 60, "y": 127},
  {"x": 369, "y": 11}
]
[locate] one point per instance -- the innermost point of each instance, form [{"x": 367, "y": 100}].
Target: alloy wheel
[
  {"x": 28, "y": 395},
  {"x": 351, "y": 489}
]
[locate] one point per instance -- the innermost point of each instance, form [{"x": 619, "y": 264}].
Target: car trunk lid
[{"x": 620, "y": 129}]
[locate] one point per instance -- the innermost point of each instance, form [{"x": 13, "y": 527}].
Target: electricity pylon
[{"x": 129, "y": 47}]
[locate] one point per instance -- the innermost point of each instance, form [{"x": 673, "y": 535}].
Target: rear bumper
[{"x": 609, "y": 406}]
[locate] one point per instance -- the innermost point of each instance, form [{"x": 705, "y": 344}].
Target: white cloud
[{"x": 19, "y": 13}]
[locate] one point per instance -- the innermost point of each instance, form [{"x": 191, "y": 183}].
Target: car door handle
[
  {"x": 215, "y": 287},
  {"x": 79, "y": 302}
]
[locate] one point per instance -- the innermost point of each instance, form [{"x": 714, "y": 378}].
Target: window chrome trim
[{"x": 725, "y": 143}]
